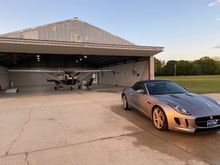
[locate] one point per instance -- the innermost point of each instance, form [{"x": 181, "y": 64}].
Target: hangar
[{"x": 73, "y": 44}]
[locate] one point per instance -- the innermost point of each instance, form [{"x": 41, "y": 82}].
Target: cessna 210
[{"x": 66, "y": 78}]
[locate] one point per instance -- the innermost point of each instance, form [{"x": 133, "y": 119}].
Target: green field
[{"x": 197, "y": 84}]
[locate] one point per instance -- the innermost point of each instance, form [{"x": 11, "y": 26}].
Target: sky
[{"x": 187, "y": 29}]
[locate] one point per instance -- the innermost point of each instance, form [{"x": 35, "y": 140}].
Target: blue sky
[{"x": 188, "y": 29}]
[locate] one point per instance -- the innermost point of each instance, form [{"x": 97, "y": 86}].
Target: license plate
[{"x": 211, "y": 123}]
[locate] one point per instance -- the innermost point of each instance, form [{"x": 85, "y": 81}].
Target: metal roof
[{"x": 72, "y": 30}]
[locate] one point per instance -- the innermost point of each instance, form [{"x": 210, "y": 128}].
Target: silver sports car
[{"x": 171, "y": 106}]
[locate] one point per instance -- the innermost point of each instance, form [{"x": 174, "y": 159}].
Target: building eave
[{"x": 15, "y": 45}]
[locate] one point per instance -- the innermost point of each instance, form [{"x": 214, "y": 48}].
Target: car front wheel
[{"x": 159, "y": 119}]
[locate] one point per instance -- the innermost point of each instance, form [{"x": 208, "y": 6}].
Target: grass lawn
[{"x": 197, "y": 84}]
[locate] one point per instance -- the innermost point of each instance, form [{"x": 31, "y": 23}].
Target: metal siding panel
[
  {"x": 124, "y": 75},
  {"x": 28, "y": 79}
]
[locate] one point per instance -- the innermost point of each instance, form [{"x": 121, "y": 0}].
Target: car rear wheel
[
  {"x": 159, "y": 119},
  {"x": 124, "y": 102}
]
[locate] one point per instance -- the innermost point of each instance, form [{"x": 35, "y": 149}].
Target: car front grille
[{"x": 202, "y": 121}]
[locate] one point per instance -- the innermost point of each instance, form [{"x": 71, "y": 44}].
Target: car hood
[{"x": 197, "y": 105}]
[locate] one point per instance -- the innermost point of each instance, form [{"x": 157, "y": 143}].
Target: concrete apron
[{"x": 91, "y": 128}]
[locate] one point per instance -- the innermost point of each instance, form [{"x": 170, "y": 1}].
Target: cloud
[
  {"x": 217, "y": 47},
  {"x": 214, "y": 3},
  {"x": 217, "y": 19}
]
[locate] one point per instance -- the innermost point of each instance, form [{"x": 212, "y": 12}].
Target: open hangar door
[{"x": 125, "y": 70}]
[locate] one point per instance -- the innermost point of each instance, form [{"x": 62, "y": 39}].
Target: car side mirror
[
  {"x": 186, "y": 88},
  {"x": 141, "y": 91}
]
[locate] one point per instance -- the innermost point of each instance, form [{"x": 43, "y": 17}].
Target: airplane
[{"x": 66, "y": 78}]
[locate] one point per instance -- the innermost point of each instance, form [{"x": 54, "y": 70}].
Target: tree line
[{"x": 203, "y": 66}]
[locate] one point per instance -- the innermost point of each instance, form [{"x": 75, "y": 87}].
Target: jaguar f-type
[{"x": 172, "y": 107}]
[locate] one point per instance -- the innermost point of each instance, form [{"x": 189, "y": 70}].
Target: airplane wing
[
  {"x": 35, "y": 71},
  {"x": 57, "y": 81},
  {"x": 54, "y": 80},
  {"x": 93, "y": 70},
  {"x": 60, "y": 71}
]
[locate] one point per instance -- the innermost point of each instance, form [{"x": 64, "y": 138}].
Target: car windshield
[{"x": 159, "y": 88}]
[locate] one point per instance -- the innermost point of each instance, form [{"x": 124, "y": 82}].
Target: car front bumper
[{"x": 191, "y": 124}]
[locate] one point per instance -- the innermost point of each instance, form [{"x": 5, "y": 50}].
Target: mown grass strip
[{"x": 197, "y": 84}]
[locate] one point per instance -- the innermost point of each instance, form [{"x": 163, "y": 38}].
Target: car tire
[
  {"x": 124, "y": 102},
  {"x": 159, "y": 119}
]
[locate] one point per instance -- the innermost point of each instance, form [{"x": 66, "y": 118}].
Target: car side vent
[
  {"x": 175, "y": 96},
  {"x": 177, "y": 120}
]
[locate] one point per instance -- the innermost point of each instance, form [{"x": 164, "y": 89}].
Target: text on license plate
[{"x": 211, "y": 123}]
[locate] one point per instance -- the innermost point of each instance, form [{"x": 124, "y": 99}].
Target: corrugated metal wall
[
  {"x": 73, "y": 30},
  {"x": 125, "y": 74},
  {"x": 4, "y": 78},
  {"x": 28, "y": 79}
]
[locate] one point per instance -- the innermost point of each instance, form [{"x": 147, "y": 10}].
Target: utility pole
[{"x": 175, "y": 69}]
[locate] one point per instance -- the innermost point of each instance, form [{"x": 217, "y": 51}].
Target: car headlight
[{"x": 179, "y": 109}]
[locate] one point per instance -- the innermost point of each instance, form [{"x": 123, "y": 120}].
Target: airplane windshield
[{"x": 159, "y": 88}]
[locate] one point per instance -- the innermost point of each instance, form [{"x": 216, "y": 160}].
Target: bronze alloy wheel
[{"x": 159, "y": 119}]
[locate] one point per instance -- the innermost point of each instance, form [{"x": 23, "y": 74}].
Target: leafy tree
[
  {"x": 158, "y": 67},
  {"x": 217, "y": 67},
  {"x": 203, "y": 66},
  {"x": 208, "y": 65},
  {"x": 183, "y": 67},
  {"x": 169, "y": 68},
  {"x": 196, "y": 68}
]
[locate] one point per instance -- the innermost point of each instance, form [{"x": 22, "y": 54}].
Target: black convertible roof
[{"x": 152, "y": 81}]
